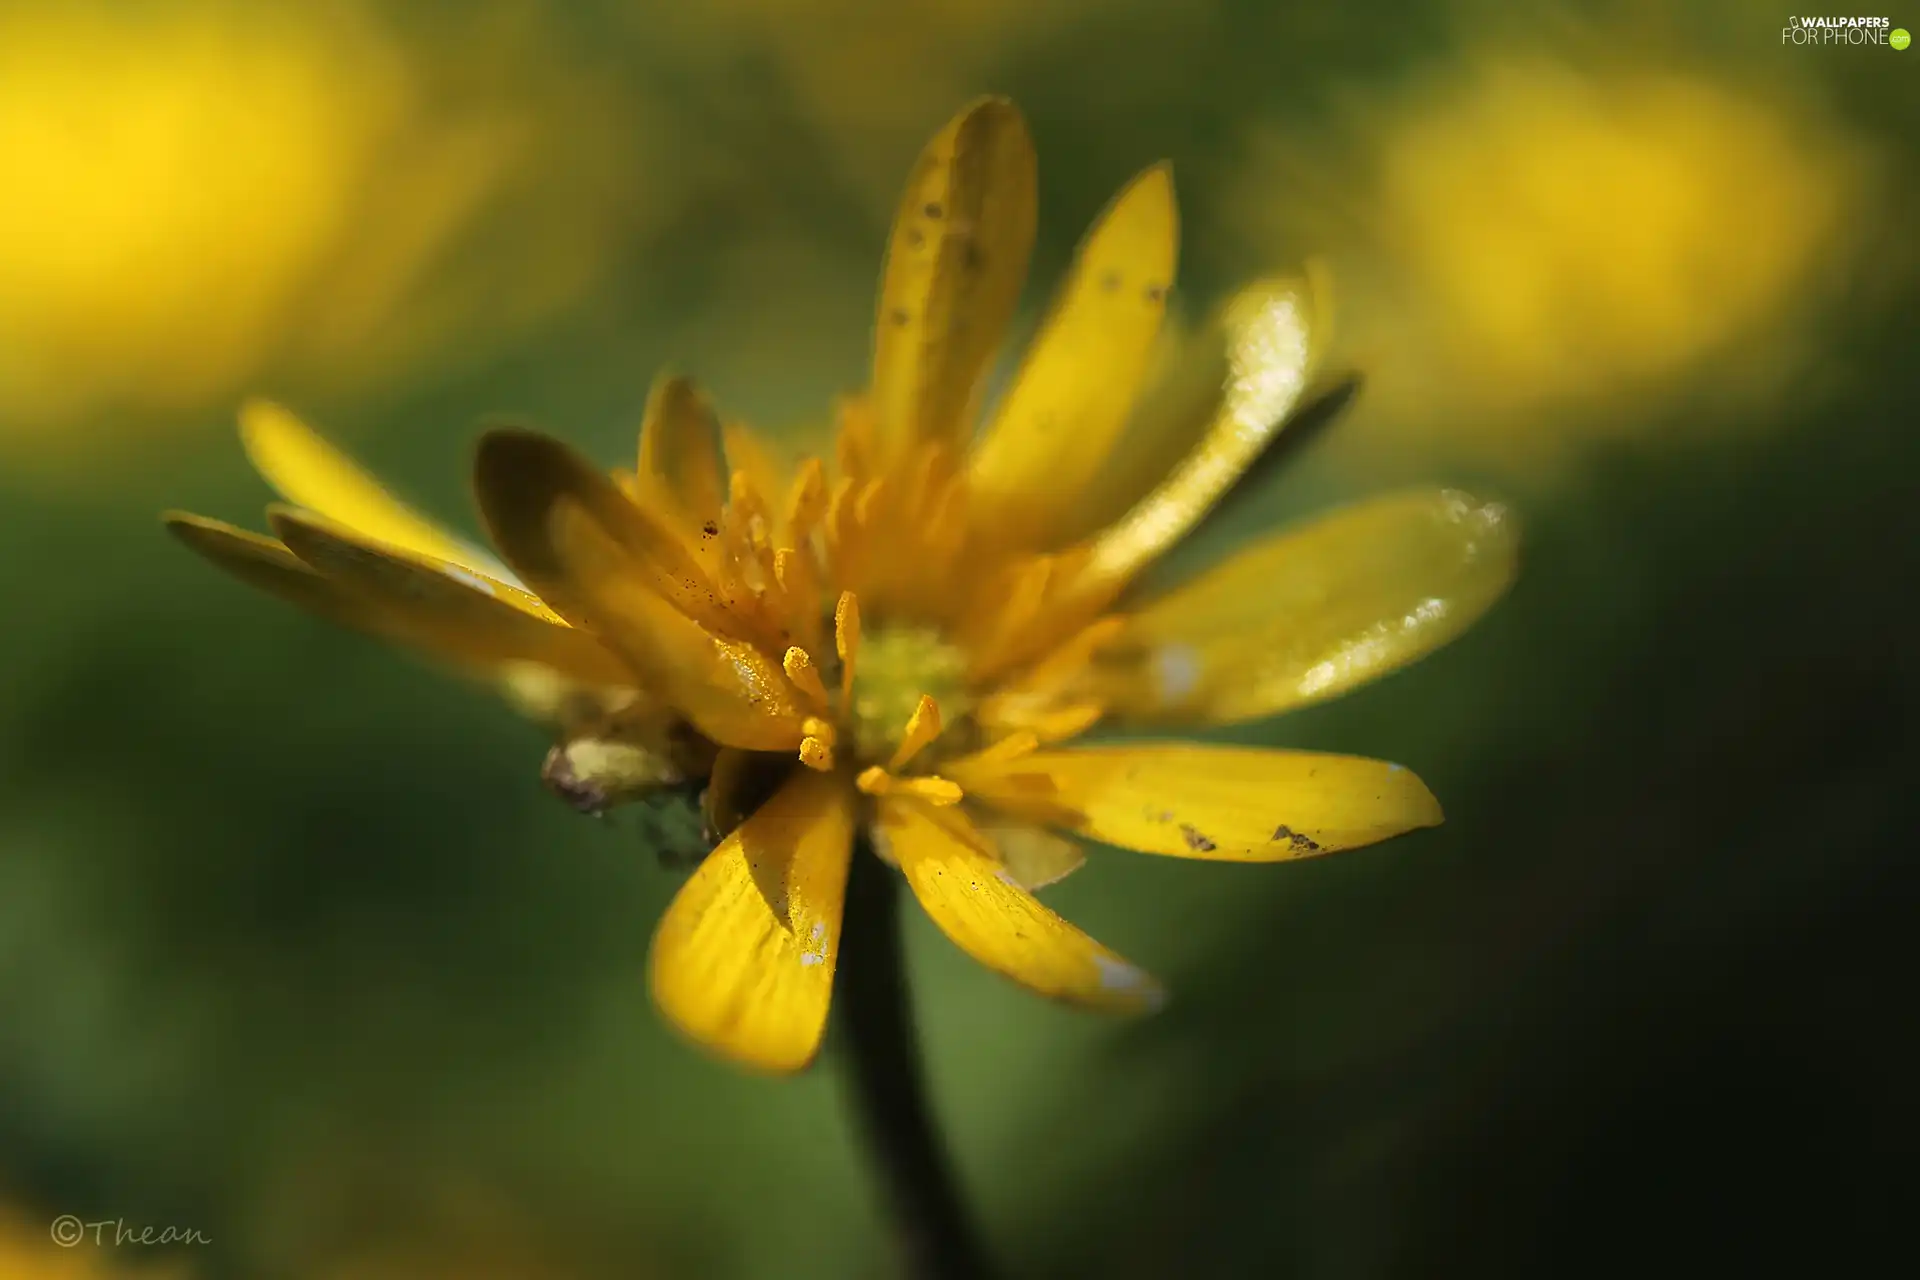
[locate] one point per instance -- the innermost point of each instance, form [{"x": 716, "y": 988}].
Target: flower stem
[{"x": 886, "y": 1089}]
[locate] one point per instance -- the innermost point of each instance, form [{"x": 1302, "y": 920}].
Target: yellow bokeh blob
[
  {"x": 171, "y": 185},
  {"x": 204, "y": 199},
  {"x": 1530, "y": 253}
]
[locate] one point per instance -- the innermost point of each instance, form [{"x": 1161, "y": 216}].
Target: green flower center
[{"x": 893, "y": 669}]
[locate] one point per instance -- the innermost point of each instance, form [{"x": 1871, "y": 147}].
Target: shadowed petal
[
  {"x": 592, "y": 555},
  {"x": 742, "y": 962},
  {"x": 955, "y": 266},
  {"x": 447, "y": 608},
  {"x": 309, "y": 472}
]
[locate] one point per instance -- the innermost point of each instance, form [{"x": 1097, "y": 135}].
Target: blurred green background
[{"x": 295, "y": 951}]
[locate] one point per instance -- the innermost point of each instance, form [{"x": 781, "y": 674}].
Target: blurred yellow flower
[
  {"x": 1533, "y": 246},
  {"x": 204, "y": 195},
  {"x": 906, "y": 642}
]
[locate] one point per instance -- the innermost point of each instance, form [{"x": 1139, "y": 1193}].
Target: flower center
[{"x": 896, "y": 667}]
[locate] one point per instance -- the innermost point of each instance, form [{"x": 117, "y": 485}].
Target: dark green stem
[{"x": 886, "y": 1089}]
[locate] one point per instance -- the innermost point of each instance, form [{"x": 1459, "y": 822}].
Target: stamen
[
  {"x": 923, "y": 726},
  {"x": 934, "y": 790},
  {"x": 805, "y": 676},
  {"x": 815, "y": 727},
  {"x": 816, "y": 754},
  {"x": 799, "y": 586},
  {"x": 1068, "y": 721},
  {"x": 1021, "y": 742},
  {"x": 937, "y": 791},
  {"x": 808, "y": 501},
  {"x": 846, "y": 640},
  {"x": 869, "y": 499}
]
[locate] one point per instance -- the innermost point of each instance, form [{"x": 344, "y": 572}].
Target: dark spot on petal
[
  {"x": 1110, "y": 281},
  {"x": 1156, "y": 293},
  {"x": 1195, "y": 841},
  {"x": 933, "y": 209},
  {"x": 899, "y": 315},
  {"x": 914, "y": 238},
  {"x": 711, "y": 529},
  {"x": 1300, "y": 843},
  {"x": 971, "y": 259}
]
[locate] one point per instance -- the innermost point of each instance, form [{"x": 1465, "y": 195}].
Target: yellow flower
[{"x": 906, "y": 642}]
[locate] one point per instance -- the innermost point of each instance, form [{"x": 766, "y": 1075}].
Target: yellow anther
[
  {"x": 1020, "y": 742},
  {"x": 793, "y": 571},
  {"x": 816, "y": 754},
  {"x": 815, "y": 727},
  {"x": 804, "y": 675},
  {"x": 846, "y": 639},
  {"x": 937, "y": 791},
  {"x": 923, "y": 726}
]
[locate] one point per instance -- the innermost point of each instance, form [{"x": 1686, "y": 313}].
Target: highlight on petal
[
  {"x": 576, "y": 539},
  {"x": 1059, "y": 420},
  {"x": 309, "y": 472},
  {"x": 1229, "y": 804},
  {"x": 977, "y": 903},
  {"x": 446, "y": 608},
  {"x": 1313, "y": 612},
  {"x": 1275, "y": 332},
  {"x": 955, "y": 265},
  {"x": 742, "y": 963}
]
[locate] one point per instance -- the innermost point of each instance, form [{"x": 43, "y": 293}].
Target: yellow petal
[
  {"x": 976, "y": 902},
  {"x": 451, "y": 610},
  {"x": 308, "y": 472},
  {"x": 680, "y": 456},
  {"x": 572, "y": 535},
  {"x": 1058, "y": 422},
  {"x": 1231, "y": 804},
  {"x": 742, "y": 962},
  {"x": 1274, "y": 337},
  {"x": 1034, "y": 856},
  {"x": 954, "y": 269},
  {"x": 1311, "y": 613},
  {"x": 268, "y": 566}
]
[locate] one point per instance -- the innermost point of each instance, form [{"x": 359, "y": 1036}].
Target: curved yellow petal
[
  {"x": 309, "y": 472},
  {"x": 742, "y": 963},
  {"x": 579, "y": 542},
  {"x": 1311, "y": 613},
  {"x": 446, "y": 608},
  {"x": 267, "y": 565},
  {"x": 680, "y": 456},
  {"x": 1274, "y": 333},
  {"x": 1231, "y": 804},
  {"x": 977, "y": 903},
  {"x": 955, "y": 265},
  {"x": 1057, "y": 424}
]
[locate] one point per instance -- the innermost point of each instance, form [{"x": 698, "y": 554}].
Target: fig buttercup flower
[{"x": 908, "y": 643}]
